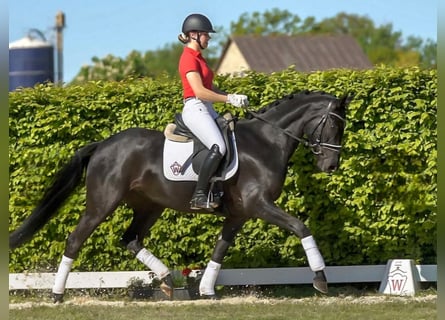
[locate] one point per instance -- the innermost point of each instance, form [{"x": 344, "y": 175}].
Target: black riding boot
[{"x": 200, "y": 198}]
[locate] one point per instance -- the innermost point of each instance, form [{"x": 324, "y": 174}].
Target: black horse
[{"x": 127, "y": 168}]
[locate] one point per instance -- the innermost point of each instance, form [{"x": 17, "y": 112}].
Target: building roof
[{"x": 306, "y": 52}]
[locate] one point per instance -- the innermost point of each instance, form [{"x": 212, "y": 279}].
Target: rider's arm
[
  {"x": 201, "y": 92},
  {"x": 218, "y": 90}
]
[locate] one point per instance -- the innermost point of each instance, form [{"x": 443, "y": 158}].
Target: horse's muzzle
[{"x": 328, "y": 165}]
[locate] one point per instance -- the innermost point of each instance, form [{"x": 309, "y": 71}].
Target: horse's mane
[{"x": 305, "y": 93}]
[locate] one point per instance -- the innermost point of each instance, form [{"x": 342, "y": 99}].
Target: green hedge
[{"x": 380, "y": 204}]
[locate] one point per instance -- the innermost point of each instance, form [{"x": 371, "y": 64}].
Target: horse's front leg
[
  {"x": 230, "y": 229},
  {"x": 273, "y": 214}
]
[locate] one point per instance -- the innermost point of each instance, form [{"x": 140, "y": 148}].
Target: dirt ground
[{"x": 372, "y": 299}]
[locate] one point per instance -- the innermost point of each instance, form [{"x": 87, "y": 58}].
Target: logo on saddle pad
[{"x": 178, "y": 167}]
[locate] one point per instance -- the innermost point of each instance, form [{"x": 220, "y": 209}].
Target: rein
[{"x": 304, "y": 141}]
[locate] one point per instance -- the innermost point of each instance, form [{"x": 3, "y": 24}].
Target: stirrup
[
  {"x": 202, "y": 202},
  {"x": 214, "y": 198},
  {"x": 194, "y": 205}
]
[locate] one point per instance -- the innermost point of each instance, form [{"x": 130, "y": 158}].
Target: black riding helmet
[{"x": 197, "y": 22}]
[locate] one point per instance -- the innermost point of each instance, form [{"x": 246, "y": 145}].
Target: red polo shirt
[{"x": 192, "y": 60}]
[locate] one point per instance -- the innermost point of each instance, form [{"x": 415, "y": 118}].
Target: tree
[
  {"x": 149, "y": 64},
  {"x": 275, "y": 21},
  {"x": 381, "y": 44},
  {"x": 428, "y": 57},
  {"x": 164, "y": 60},
  {"x": 136, "y": 64}
]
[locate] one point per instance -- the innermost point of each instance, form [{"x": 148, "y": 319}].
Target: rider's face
[{"x": 204, "y": 37}]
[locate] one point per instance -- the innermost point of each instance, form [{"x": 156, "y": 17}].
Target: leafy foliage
[
  {"x": 136, "y": 64},
  {"x": 381, "y": 44},
  {"x": 380, "y": 204}
]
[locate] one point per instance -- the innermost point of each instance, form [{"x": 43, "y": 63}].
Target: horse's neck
[
  {"x": 280, "y": 127},
  {"x": 289, "y": 118}
]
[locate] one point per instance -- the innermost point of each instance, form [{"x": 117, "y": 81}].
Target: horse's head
[
  {"x": 316, "y": 119},
  {"x": 325, "y": 132}
]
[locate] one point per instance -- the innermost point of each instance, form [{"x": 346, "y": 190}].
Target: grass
[
  {"x": 236, "y": 308},
  {"x": 289, "y": 302}
]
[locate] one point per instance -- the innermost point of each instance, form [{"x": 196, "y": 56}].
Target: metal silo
[{"x": 31, "y": 61}]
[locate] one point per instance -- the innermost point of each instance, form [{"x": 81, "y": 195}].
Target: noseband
[{"x": 317, "y": 146}]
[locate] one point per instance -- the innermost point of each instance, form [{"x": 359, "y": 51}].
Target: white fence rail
[{"x": 258, "y": 276}]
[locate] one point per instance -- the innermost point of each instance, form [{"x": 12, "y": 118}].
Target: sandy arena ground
[{"x": 372, "y": 299}]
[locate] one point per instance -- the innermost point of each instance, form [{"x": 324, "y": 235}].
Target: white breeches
[{"x": 200, "y": 117}]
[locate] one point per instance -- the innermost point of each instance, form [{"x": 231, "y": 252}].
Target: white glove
[{"x": 238, "y": 100}]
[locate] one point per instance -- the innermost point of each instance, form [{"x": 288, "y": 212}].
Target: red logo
[
  {"x": 176, "y": 168},
  {"x": 397, "y": 280}
]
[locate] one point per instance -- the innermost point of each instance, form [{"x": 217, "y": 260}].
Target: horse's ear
[{"x": 346, "y": 99}]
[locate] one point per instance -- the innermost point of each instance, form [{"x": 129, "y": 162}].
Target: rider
[{"x": 199, "y": 94}]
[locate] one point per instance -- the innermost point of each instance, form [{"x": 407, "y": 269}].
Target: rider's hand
[{"x": 238, "y": 100}]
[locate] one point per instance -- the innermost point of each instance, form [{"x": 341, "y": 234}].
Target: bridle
[{"x": 317, "y": 146}]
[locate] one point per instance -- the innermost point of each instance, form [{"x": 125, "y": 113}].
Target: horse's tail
[{"x": 64, "y": 183}]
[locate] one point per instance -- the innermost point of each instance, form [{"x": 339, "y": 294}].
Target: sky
[{"x": 96, "y": 28}]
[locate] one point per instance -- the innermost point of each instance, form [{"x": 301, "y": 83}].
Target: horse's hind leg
[
  {"x": 99, "y": 206},
  {"x": 142, "y": 221},
  {"x": 86, "y": 226}
]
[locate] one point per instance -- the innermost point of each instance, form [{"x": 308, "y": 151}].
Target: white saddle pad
[{"x": 177, "y": 153}]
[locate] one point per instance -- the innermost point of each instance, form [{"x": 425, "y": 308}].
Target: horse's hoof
[
  {"x": 320, "y": 283},
  {"x": 321, "y": 286},
  {"x": 166, "y": 286},
  {"x": 209, "y": 297},
  {"x": 58, "y": 297}
]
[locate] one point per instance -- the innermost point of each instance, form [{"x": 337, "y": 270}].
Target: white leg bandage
[
  {"x": 207, "y": 284},
  {"x": 156, "y": 265},
  {"x": 62, "y": 275},
  {"x": 314, "y": 257}
]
